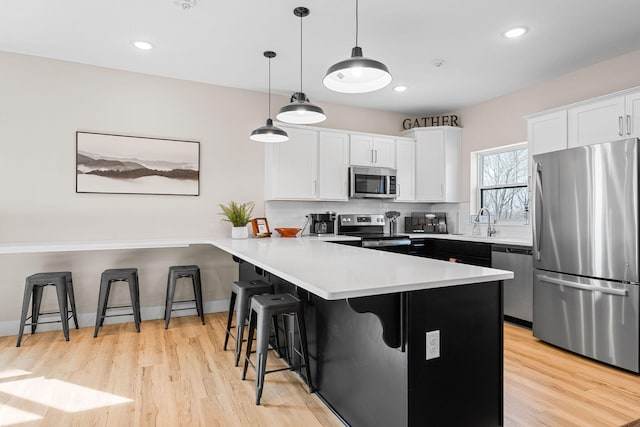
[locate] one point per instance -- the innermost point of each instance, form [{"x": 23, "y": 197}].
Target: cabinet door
[
  {"x": 333, "y": 165},
  {"x": 291, "y": 167},
  {"x": 632, "y": 119},
  {"x": 430, "y": 166},
  {"x": 384, "y": 152},
  {"x": 599, "y": 121},
  {"x": 361, "y": 151},
  {"x": 547, "y": 132},
  {"x": 406, "y": 166}
]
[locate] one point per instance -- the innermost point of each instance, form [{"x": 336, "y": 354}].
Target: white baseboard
[{"x": 10, "y": 327}]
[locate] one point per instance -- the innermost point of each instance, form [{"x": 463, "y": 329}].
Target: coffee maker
[{"x": 322, "y": 223}]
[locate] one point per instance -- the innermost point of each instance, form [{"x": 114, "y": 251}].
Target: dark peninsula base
[{"x": 371, "y": 369}]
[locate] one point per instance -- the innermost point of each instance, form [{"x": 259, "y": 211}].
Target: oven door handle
[{"x": 385, "y": 243}]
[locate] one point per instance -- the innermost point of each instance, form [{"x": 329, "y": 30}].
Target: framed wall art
[{"x": 123, "y": 164}]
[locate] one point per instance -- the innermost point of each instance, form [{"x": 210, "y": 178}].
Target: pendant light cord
[
  {"x": 269, "y": 88},
  {"x": 356, "y": 23},
  {"x": 300, "y": 54}
]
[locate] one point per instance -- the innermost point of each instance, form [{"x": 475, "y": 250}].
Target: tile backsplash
[{"x": 293, "y": 214}]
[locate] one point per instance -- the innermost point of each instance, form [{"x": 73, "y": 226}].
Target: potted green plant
[{"x": 239, "y": 215}]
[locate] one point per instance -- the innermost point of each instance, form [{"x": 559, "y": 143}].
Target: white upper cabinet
[
  {"x": 601, "y": 119},
  {"x": 369, "y": 150},
  {"x": 406, "y": 170},
  {"x": 291, "y": 168},
  {"x": 547, "y": 132},
  {"x": 437, "y": 163},
  {"x": 632, "y": 119},
  {"x": 597, "y": 122},
  {"x": 312, "y": 165},
  {"x": 333, "y": 165}
]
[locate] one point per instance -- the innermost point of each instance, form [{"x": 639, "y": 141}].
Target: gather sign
[{"x": 422, "y": 122}]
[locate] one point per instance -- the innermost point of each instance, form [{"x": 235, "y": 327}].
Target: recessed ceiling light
[
  {"x": 515, "y": 32},
  {"x": 400, "y": 88},
  {"x": 142, "y": 45}
]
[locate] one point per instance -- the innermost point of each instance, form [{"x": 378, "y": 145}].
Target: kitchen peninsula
[{"x": 372, "y": 369}]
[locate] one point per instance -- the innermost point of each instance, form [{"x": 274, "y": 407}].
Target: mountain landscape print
[{"x": 135, "y": 165}]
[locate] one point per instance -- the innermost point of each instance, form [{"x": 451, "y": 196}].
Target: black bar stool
[
  {"x": 129, "y": 275},
  {"x": 263, "y": 309},
  {"x": 243, "y": 291},
  {"x": 33, "y": 290},
  {"x": 176, "y": 272}
]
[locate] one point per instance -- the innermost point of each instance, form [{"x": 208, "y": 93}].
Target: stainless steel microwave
[{"x": 371, "y": 182}]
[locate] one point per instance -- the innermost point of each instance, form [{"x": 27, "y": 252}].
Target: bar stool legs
[
  {"x": 241, "y": 292},
  {"x": 129, "y": 275},
  {"x": 175, "y": 273},
  {"x": 263, "y": 309},
  {"x": 33, "y": 290}
]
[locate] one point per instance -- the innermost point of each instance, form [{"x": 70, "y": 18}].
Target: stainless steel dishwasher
[{"x": 518, "y": 292}]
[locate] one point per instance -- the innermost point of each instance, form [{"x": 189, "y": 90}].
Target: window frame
[{"x": 480, "y": 171}]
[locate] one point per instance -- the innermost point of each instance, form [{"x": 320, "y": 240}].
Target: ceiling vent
[{"x": 185, "y": 4}]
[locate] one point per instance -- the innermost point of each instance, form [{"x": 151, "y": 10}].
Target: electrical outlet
[{"x": 433, "y": 345}]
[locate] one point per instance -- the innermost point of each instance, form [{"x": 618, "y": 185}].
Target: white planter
[{"x": 239, "y": 232}]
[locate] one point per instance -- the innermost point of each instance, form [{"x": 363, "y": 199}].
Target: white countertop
[
  {"x": 333, "y": 271},
  {"x": 328, "y": 270},
  {"x": 43, "y": 247}
]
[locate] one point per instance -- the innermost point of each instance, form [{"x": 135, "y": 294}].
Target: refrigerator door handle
[
  {"x": 537, "y": 214},
  {"x": 604, "y": 290}
]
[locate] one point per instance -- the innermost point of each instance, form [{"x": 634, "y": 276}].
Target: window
[{"x": 502, "y": 182}]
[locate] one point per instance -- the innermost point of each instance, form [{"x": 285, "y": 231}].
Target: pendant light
[
  {"x": 300, "y": 110},
  {"x": 357, "y": 74},
  {"x": 269, "y": 132}
]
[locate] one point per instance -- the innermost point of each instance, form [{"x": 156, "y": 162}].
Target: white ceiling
[{"x": 221, "y": 42}]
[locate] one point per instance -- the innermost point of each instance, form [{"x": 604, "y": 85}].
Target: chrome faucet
[{"x": 491, "y": 230}]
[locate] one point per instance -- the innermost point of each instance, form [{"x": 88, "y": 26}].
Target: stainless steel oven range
[{"x": 371, "y": 229}]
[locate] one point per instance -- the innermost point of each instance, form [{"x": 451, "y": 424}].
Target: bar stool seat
[
  {"x": 242, "y": 291},
  {"x": 129, "y": 275},
  {"x": 263, "y": 309},
  {"x": 176, "y": 272},
  {"x": 33, "y": 290}
]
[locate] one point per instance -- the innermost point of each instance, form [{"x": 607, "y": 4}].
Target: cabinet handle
[
  {"x": 628, "y": 124},
  {"x": 620, "y": 125},
  {"x": 397, "y": 190},
  {"x": 372, "y": 161},
  {"x": 375, "y": 153}
]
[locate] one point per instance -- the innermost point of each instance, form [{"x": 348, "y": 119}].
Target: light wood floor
[
  {"x": 547, "y": 386},
  {"x": 181, "y": 377}
]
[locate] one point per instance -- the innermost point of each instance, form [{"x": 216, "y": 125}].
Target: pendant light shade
[
  {"x": 269, "y": 132},
  {"x": 300, "y": 110},
  {"x": 357, "y": 74}
]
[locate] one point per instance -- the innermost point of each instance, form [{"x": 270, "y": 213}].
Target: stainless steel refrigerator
[{"x": 586, "y": 251}]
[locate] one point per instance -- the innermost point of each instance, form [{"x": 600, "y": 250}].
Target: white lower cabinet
[
  {"x": 437, "y": 163},
  {"x": 312, "y": 165}
]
